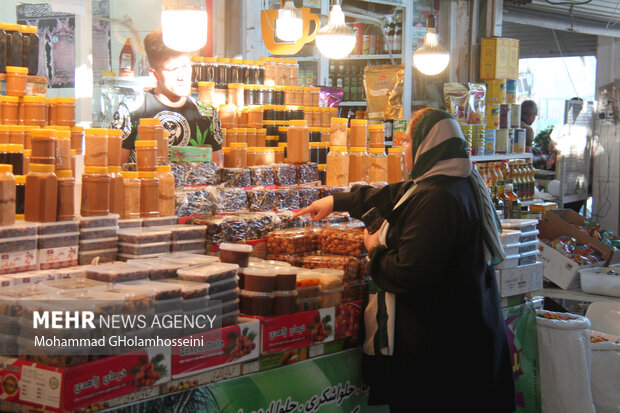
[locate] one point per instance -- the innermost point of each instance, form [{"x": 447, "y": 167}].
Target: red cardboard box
[
  {"x": 296, "y": 330},
  {"x": 348, "y": 318},
  {"x": 228, "y": 345},
  {"x": 61, "y": 389}
]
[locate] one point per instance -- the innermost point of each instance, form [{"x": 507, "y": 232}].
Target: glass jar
[
  {"x": 149, "y": 194},
  {"x": 14, "y": 45},
  {"x": 282, "y": 71},
  {"x": 307, "y": 115},
  {"x": 210, "y": 69},
  {"x": 326, "y": 117},
  {"x": 322, "y": 174},
  {"x": 34, "y": 110},
  {"x": 376, "y": 136},
  {"x": 280, "y": 153},
  {"x": 232, "y": 136},
  {"x": 325, "y": 134},
  {"x": 50, "y": 103},
  {"x": 41, "y": 200},
  {"x": 316, "y": 116},
  {"x": 378, "y": 165},
  {"x": 270, "y": 71},
  {"x": 146, "y": 155},
  {"x": 293, "y": 72},
  {"x": 95, "y": 191},
  {"x": 298, "y": 139},
  {"x": 96, "y": 147},
  {"x": 359, "y": 129},
  {"x": 166, "y": 191},
  {"x": 254, "y": 72},
  {"x": 251, "y": 155},
  {"x": 268, "y": 95},
  {"x": 271, "y": 141},
  {"x": 281, "y": 116},
  {"x": 260, "y": 73},
  {"x": 7, "y": 195},
  {"x": 205, "y": 92},
  {"x": 306, "y": 96},
  {"x": 43, "y": 146},
  {"x": 270, "y": 156},
  {"x": 65, "y": 210},
  {"x": 337, "y": 167},
  {"x": 242, "y": 117},
  {"x": 338, "y": 132},
  {"x": 283, "y": 134},
  {"x": 298, "y": 93},
  {"x": 396, "y": 165},
  {"x": 77, "y": 139},
  {"x": 255, "y": 116},
  {"x": 3, "y": 53},
  {"x": 259, "y": 157},
  {"x": 226, "y": 156},
  {"x": 315, "y": 134},
  {"x": 131, "y": 195},
  {"x": 261, "y": 135},
  {"x": 228, "y": 116},
  {"x": 65, "y": 111},
  {"x": 15, "y": 158},
  {"x": 236, "y": 72},
  {"x": 196, "y": 69},
  {"x": 224, "y": 137},
  {"x": 239, "y": 154},
  {"x": 30, "y": 49},
  {"x": 315, "y": 93},
  {"x": 323, "y": 152},
  {"x": 16, "y": 80},
  {"x": 20, "y": 195},
  {"x": 63, "y": 150},
  {"x": 249, "y": 95},
  {"x": 358, "y": 164},
  {"x": 242, "y": 135},
  {"x": 115, "y": 144},
  {"x": 117, "y": 190},
  {"x": 9, "y": 110},
  {"x": 314, "y": 151},
  {"x": 4, "y": 134},
  {"x": 251, "y": 137},
  {"x": 269, "y": 112},
  {"x": 16, "y": 134},
  {"x": 222, "y": 73},
  {"x": 235, "y": 94},
  {"x": 27, "y": 156},
  {"x": 289, "y": 95},
  {"x": 246, "y": 72}
]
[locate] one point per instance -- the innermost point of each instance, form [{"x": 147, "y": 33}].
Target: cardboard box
[
  {"x": 499, "y": 58},
  {"x": 348, "y": 318},
  {"x": 520, "y": 280},
  {"x": 64, "y": 389},
  {"x": 211, "y": 376},
  {"x": 562, "y": 222},
  {"x": 190, "y": 153},
  {"x": 559, "y": 269},
  {"x": 228, "y": 345},
  {"x": 296, "y": 330},
  {"x": 282, "y": 358},
  {"x": 543, "y": 208}
]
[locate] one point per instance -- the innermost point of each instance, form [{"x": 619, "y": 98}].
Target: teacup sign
[{"x": 279, "y": 47}]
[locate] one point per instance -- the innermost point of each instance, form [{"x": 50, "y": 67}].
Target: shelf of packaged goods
[
  {"x": 490, "y": 158},
  {"x": 306, "y": 58},
  {"x": 372, "y": 57},
  {"x": 353, "y": 103}
]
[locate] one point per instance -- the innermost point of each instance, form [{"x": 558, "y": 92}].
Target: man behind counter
[
  {"x": 529, "y": 111},
  {"x": 188, "y": 121}
]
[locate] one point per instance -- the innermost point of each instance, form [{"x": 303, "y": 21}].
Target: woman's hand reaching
[
  {"x": 371, "y": 241},
  {"x": 319, "y": 209}
]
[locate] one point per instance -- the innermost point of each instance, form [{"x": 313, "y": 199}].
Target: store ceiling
[
  {"x": 540, "y": 41},
  {"x": 607, "y": 11}
]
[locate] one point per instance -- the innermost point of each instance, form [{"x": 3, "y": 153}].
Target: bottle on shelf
[
  {"x": 397, "y": 38},
  {"x": 501, "y": 195},
  {"x": 515, "y": 203}
]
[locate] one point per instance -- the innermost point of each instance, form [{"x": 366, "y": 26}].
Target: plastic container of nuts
[
  {"x": 209, "y": 273},
  {"x": 342, "y": 241},
  {"x": 290, "y": 241},
  {"x": 116, "y": 272}
]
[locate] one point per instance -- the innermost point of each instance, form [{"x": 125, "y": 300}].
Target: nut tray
[
  {"x": 116, "y": 272},
  {"x": 209, "y": 273},
  {"x": 161, "y": 291},
  {"x": 103, "y": 256},
  {"x": 158, "y": 269},
  {"x": 72, "y": 284},
  {"x": 110, "y": 220},
  {"x": 198, "y": 246},
  {"x": 59, "y": 240},
  {"x": 159, "y": 221},
  {"x": 290, "y": 241},
  {"x": 98, "y": 244},
  {"x": 186, "y": 232},
  {"x": 190, "y": 290},
  {"x": 143, "y": 248},
  {"x": 98, "y": 233},
  {"x": 19, "y": 230},
  {"x": 18, "y": 244},
  {"x": 143, "y": 235},
  {"x": 61, "y": 227}
]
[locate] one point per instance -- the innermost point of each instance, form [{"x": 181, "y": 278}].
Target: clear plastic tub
[
  {"x": 98, "y": 233},
  {"x": 117, "y": 272},
  {"x": 329, "y": 278},
  {"x": 235, "y": 254},
  {"x": 286, "y": 278},
  {"x": 259, "y": 279},
  {"x": 98, "y": 244},
  {"x": 256, "y": 303},
  {"x": 161, "y": 291},
  {"x": 528, "y": 236},
  {"x": 341, "y": 262},
  {"x": 523, "y": 225},
  {"x": 131, "y": 257},
  {"x": 209, "y": 273},
  {"x": 189, "y": 245},
  {"x": 61, "y": 227},
  {"x": 165, "y": 306},
  {"x": 189, "y": 289},
  {"x": 332, "y": 297},
  {"x": 12, "y": 300},
  {"x": 222, "y": 307},
  {"x": 129, "y": 299},
  {"x": 509, "y": 236},
  {"x": 110, "y": 220},
  {"x": 528, "y": 246},
  {"x": 158, "y": 269},
  {"x": 511, "y": 261},
  {"x": 102, "y": 256},
  {"x": 230, "y": 319},
  {"x": 8, "y": 344},
  {"x": 144, "y": 249},
  {"x": 187, "y": 259},
  {"x": 143, "y": 235},
  {"x": 159, "y": 221},
  {"x": 187, "y": 232},
  {"x": 129, "y": 223},
  {"x": 73, "y": 284},
  {"x": 224, "y": 296},
  {"x": 194, "y": 304},
  {"x": 19, "y": 230},
  {"x": 284, "y": 302},
  {"x": 308, "y": 303},
  {"x": 528, "y": 257},
  {"x": 511, "y": 249},
  {"x": 18, "y": 244}
]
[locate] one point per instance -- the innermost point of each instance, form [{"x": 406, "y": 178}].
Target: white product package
[{"x": 565, "y": 362}]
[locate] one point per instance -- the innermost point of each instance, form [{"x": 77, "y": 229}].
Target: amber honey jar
[
  {"x": 9, "y": 106},
  {"x": 16, "y": 80},
  {"x": 146, "y": 155},
  {"x": 43, "y": 143},
  {"x": 34, "y": 110},
  {"x": 95, "y": 191},
  {"x": 65, "y": 111},
  {"x": 96, "y": 147}
]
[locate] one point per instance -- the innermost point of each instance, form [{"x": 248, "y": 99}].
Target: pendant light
[
  {"x": 335, "y": 40},
  {"x": 289, "y": 23},
  {"x": 431, "y": 58},
  {"x": 184, "y": 24}
]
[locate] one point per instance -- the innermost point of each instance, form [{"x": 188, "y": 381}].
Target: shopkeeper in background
[
  {"x": 529, "y": 111},
  {"x": 447, "y": 350},
  {"x": 188, "y": 121}
]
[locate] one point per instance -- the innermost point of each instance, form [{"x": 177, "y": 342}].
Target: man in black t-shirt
[{"x": 188, "y": 121}]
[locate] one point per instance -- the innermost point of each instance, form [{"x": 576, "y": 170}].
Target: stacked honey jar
[{"x": 357, "y": 154}]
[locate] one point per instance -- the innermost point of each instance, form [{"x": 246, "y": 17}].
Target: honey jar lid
[
  {"x": 324, "y": 109},
  {"x": 40, "y": 167},
  {"x": 396, "y": 150},
  {"x": 246, "y": 62},
  {"x": 236, "y": 61},
  {"x": 238, "y": 145},
  {"x": 3, "y": 147},
  {"x": 17, "y": 69},
  {"x": 61, "y": 134},
  {"x": 339, "y": 120},
  {"x": 11, "y": 27},
  {"x": 4, "y": 128},
  {"x": 260, "y": 149},
  {"x": 206, "y": 84},
  {"x": 226, "y": 150},
  {"x": 129, "y": 174},
  {"x": 224, "y": 130},
  {"x": 64, "y": 173},
  {"x": 222, "y": 60},
  {"x": 96, "y": 131},
  {"x": 146, "y": 144},
  {"x": 16, "y": 128},
  {"x": 315, "y": 144},
  {"x": 9, "y": 99},
  {"x": 377, "y": 150},
  {"x": 27, "y": 152},
  {"x": 322, "y": 167},
  {"x": 316, "y": 129},
  {"x": 15, "y": 148},
  {"x": 358, "y": 149},
  {"x": 283, "y": 129},
  {"x": 324, "y": 144},
  {"x": 232, "y": 130},
  {"x": 146, "y": 174},
  {"x": 164, "y": 168},
  {"x": 28, "y": 29},
  {"x": 114, "y": 168},
  {"x": 338, "y": 148},
  {"x": 210, "y": 59},
  {"x": 362, "y": 122},
  {"x": 34, "y": 99},
  {"x": 278, "y": 149},
  {"x": 234, "y": 85},
  {"x": 95, "y": 169},
  {"x": 115, "y": 132},
  {"x": 42, "y": 133},
  {"x": 20, "y": 179},
  {"x": 272, "y": 138},
  {"x": 73, "y": 152},
  {"x": 269, "y": 107},
  {"x": 195, "y": 58},
  {"x": 298, "y": 122},
  {"x": 150, "y": 121},
  {"x": 6, "y": 168},
  {"x": 242, "y": 130},
  {"x": 250, "y": 130},
  {"x": 282, "y": 144},
  {"x": 50, "y": 101},
  {"x": 261, "y": 130},
  {"x": 376, "y": 127},
  {"x": 65, "y": 100}
]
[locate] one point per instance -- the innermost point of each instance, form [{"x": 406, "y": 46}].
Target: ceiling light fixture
[
  {"x": 336, "y": 40},
  {"x": 289, "y": 23},
  {"x": 184, "y": 24},
  {"x": 431, "y": 58}
]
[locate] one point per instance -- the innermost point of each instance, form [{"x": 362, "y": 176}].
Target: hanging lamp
[
  {"x": 184, "y": 24},
  {"x": 289, "y": 23},
  {"x": 336, "y": 40},
  {"x": 431, "y": 58}
]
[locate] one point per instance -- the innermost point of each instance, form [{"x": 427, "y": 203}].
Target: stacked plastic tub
[
  {"x": 98, "y": 239},
  {"x": 18, "y": 248},
  {"x": 520, "y": 241},
  {"x": 136, "y": 243},
  {"x": 187, "y": 238},
  {"x": 58, "y": 245}
]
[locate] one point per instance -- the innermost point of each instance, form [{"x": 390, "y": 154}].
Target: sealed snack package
[
  {"x": 261, "y": 199},
  {"x": 284, "y": 174},
  {"x": 331, "y": 96},
  {"x": 229, "y": 199},
  {"x": 262, "y": 175},
  {"x": 307, "y": 172},
  {"x": 384, "y": 91},
  {"x": 235, "y": 177},
  {"x": 466, "y": 102}
]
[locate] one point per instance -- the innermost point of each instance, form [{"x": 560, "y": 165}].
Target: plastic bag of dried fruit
[{"x": 565, "y": 362}]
